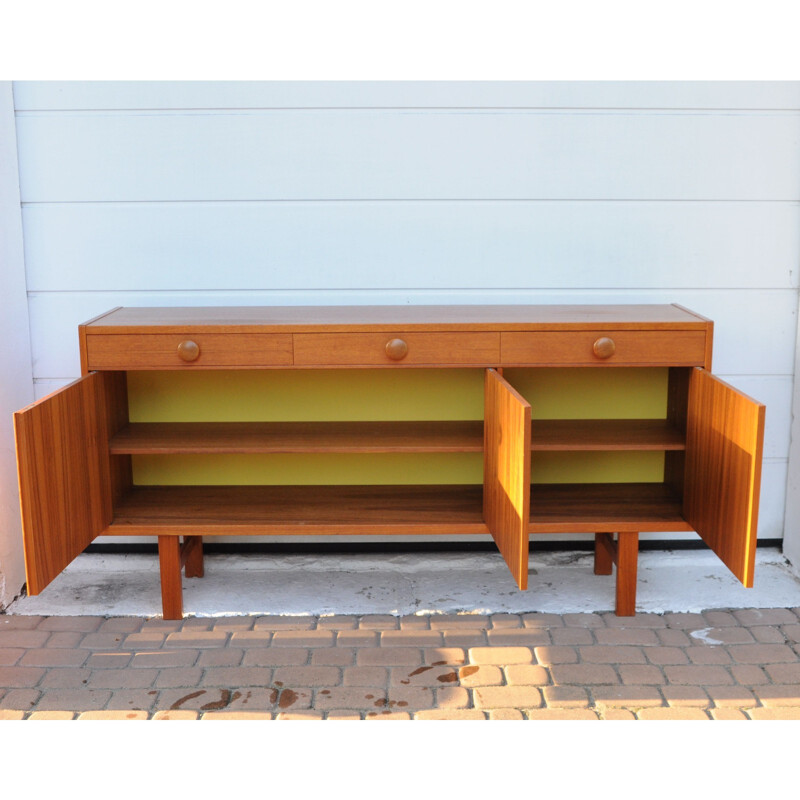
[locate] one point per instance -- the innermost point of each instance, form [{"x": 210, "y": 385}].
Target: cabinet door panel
[
  {"x": 64, "y": 479},
  {"x": 506, "y": 472},
  {"x": 724, "y": 444}
]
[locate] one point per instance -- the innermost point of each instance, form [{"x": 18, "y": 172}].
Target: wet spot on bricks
[
  {"x": 467, "y": 671},
  {"x": 186, "y": 699},
  {"x": 448, "y": 677},
  {"x": 287, "y": 698},
  {"x": 418, "y": 671}
]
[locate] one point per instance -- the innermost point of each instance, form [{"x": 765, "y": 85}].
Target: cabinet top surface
[{"x": 423, "y": 317}]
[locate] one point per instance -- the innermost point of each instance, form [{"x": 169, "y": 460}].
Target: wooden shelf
[
  {"x": 605, "y": 434},
  {"x": 605, "y": 507},
  {"x": 151, "y": 438},
  {"x": 299, "y": 510}
]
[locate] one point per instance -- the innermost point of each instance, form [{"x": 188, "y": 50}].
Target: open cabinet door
[
  {"x": 724, "y": 446},
  {"x": 64, "y": 479},
  {"x": 507, "y": 472}
]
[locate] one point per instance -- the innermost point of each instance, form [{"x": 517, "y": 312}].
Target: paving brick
[
  {"x": 114, "y": 715},
  {"x": 684, "y": 620},
  {"x": 107, "y": 660},
  {"x": 357, "y": 638},
  {"x": 237, "y": 676},
  {"x": 20, "y": 699},
  {"x": 73, "y": 700},
  {"x": 284, "y": 623},
  {"x": 196, "y": 624},
  {"x": 705, "y": 654},
  {"x": 262, "y": 698},
  {"x": 506, "y": 621},
  {"x": 239, "y": 716},
  {"x": 765, "y": 616},
  {"x": 452, "y": 697},
  {"x": 627, "y": 696},
  {"x": 233, "y": 624},
  {"x": 602, "y": 654},
  {"x": 583, "y": 674},
  {"x": 474, "y": 675},
  {"x": 65, "y": 639},
  {"x": 21, "y": 637},
  {"x": 133, "y": 700},
  {"x": 365, "y": 676},
  {"x": 486, "y": 697},
  {"x": 566, "y": 714},
  {"x": 698, "y": 675},
  {"x": 307, "y": 676},
  {"x": 556, "y": 655},
  {"x": 727, "y": 714},
  {"x": 388, "y": 656},
  {"x": 387, "y": 715},
  {"x": 362, "y": 699},
  {"x": 103, "y": 641},
  {"x": 452, "y": 622},
  {"x": 423, "y": 676},
  {"x": 462, "y": 714},
  {"x": 500, "y": 656},
  {"x": 176, "y": 715},
  {"x": 571, "y": 636},
  {"x": 65, "y": 678},
  {"x": 716, "y": 636},
  {"x": 292, "y": 638},
  {"x": 633, "y": 636},
  {"x": 665, "y": 655},
  {"x": 527, "y": 637},
  {"x": 465, "y": 638},
  {"x": 527, "y": 675},
  {"x": 52, "y": 716},
  {"x": 333, "y": 656},
  {"x": 61, "y": 657},
  {"x": 415, "y": 622},
  {"x": 748, "y": 674},
  {"x": 221, "y": 657},
  {"x": 164, "y": 626},
  {"x": 11, "y": 655},
  {"x": 410, "y": 698},
  {"x": 178, "y": 676},
  {"x": 641, "y": 620},
  {"x": 505, "y": 714},
  {"x": 683, "y": 714},
  {"x": 583, "y": 620},
  {"x": 11, "y": 677},
  {"x": 671, "y": 637},
  {"x": 201, "y": 638},
  {"x": 566, "y": 696},
  {"x": 719, "y": 619},
  {"x": 784, "y": 673},
  {"x": 121, "y": 624},
  {"x": 338, "y": 622},
  {"x": 736, "y": 696},
  {"x": 762, "y": 653},
  {"x": 343, "y": 714},
  {"x": 19, "y": 622},
  {"x": 161, "y": 658},
  {"x": 310, "y": 716},
  {"x": 686, "y": 696},
  {"x": 84, "y": 624},
  {"x": 640, "y": 674},
  {"x": 122, "y": 678},
  {"x": 144, "y": 640},
  {"x": 775, "y": 713},
  {"x": 542, "y": 620},
  {"x": 768, "y": 634},
  {"x": 617, "y": 714},
  {"x": 379, "y": 622},
  {"x": 274, "y": 657},
  {"x": 438, "y": 656},
  {"x": 392, "y": 638}
]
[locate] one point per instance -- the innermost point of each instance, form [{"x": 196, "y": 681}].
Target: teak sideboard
[{"x": 75, "y": 447}]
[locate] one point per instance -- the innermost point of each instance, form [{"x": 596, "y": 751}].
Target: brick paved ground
[{"x": 722, "y": 664}]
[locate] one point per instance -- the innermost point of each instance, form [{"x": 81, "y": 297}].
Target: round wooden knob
[
  {"x": 188, "y": 350},
  {"x": 604, "y": 347},
  {"x": 396, "y": 349}
]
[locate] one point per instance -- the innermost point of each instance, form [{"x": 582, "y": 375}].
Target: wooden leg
[
  {"x": 169, "y": 560},
  {"x": 192, "y": 556},
  {"x": 604, "y": 552},
  {"x": 627, "y": 562}
]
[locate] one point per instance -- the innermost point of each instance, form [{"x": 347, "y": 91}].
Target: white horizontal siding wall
[{"x": 303, "y": 193}]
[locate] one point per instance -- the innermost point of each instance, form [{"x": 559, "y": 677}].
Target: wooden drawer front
[
  {"x": 396, "y": 349},
  {"x": 192, "y": 350},
  {"x": 598, "y": 347}
]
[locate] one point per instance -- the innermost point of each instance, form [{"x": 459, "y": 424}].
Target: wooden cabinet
[{"x": 77, "y": 448}]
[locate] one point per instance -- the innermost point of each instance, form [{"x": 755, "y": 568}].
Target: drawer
[
  {"x": 396, "y": 348},
  {"x": 190, "y": 349},
  {"x": 598, "y": 347}
]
